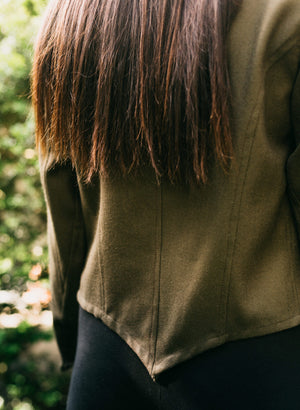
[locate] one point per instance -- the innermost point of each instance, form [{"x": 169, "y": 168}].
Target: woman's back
[
  {"x": 177, "y": 269},
  {"x": 174, "y": 265}
]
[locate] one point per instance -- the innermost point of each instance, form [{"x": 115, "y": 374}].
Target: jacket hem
[
  {"x": 180, "y": 356},
  {"x": 217, "y": 341},
  {"x": 143, "y": 354}
]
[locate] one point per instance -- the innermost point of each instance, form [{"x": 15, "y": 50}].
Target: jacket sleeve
[
  {"x": 67, "y": 251},
  {"x": 293, "y": 164}
]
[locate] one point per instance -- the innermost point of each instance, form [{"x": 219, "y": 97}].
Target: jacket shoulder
[{"x": 271, "y": 25}]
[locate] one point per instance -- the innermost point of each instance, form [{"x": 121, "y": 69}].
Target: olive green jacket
[{"x": 176, "y": 270}]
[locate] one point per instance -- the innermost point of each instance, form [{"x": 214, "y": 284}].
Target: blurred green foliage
[
  {"x": 25, "y": 384},
  {"x": 28, "y": 383},
  {"x": 22, "y": 214}
]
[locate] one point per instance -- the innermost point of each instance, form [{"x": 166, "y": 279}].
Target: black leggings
[{"x": 261, "y": 373}]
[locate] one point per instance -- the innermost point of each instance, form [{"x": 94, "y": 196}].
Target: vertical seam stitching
[
  {"x": 156, "y": 287},
  {"x": 100, "y": 259},
  {"x": 228, "y": 266}
]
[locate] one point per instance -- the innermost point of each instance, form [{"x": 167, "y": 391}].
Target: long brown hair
[{"x": 117, "y": 84}]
